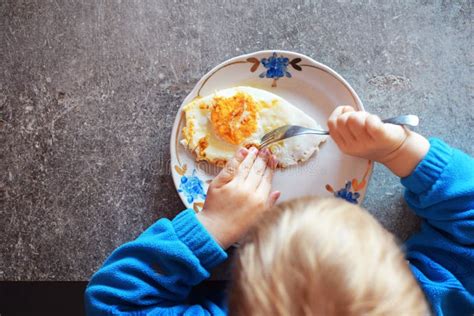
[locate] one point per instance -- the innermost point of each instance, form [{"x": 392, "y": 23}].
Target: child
[{"x": 310, "y": 256}]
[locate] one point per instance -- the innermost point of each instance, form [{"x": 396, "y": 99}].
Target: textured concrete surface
[{"x": 89, "y": 90}]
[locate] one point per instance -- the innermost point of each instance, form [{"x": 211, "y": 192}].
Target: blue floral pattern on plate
[
  {"x": 346, "y": 194},
  {"x": 192, "y": 187},
  {"x": 276, "y": 66},
  {"x": 350, "y": 190}
]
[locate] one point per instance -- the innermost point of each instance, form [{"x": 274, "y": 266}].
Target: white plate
[{"x": 311, "y": 86}]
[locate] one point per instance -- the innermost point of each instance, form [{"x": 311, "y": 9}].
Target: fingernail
[
  {"x": 243, "y": 151},
  {"x": 275, "y": 196}
]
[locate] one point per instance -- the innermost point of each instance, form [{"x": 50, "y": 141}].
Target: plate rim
[{"x": 201, "y": 82}]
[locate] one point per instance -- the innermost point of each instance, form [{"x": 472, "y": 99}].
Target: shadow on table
[
  {"x": 56, "y": 298},
  {"x": 42, "y": 298}
]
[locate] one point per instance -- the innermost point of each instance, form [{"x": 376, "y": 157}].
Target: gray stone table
[{"x": 89, "y": 91}]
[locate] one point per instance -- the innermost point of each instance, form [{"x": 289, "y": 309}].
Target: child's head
[{"x": 322, "y": 257}]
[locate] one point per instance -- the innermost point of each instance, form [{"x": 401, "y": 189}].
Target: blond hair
[{"x": 322, "y": 257}]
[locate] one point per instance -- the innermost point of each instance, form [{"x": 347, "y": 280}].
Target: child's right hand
[{"x": 364, "y": 135}]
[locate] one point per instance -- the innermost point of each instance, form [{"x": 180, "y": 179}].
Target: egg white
[{"x": 279, "y": 112}]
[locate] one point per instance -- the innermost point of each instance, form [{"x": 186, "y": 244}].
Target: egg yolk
[{"x": 234, "y": 118}]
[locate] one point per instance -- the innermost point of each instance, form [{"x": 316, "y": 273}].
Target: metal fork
[{"x": 288, "y": 131}]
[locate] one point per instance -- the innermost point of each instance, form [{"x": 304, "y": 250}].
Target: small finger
[
  {"x": 356, "y": 125},
  {"x": 347, "y": 109},
  {"x": 247, "y": 163},
  {"x": 343, "y": 129},
  {"x": 272, "y": 162},
  {"x": 340, "y": 110},
  {"x": 273, "y": 198},
  {"x": 332, "y": 125},
  {"x": 265, "y": 184},
  {"x": 231, "y": 168},
  {"x": 258, "y": 169}
]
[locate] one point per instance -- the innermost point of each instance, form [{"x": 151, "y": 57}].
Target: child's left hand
[{"x": 239, "y": 195}]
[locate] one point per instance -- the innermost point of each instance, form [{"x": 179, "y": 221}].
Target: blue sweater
[{"x": 156, "y": 273}]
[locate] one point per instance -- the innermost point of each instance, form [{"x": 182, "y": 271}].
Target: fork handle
[
  {"x": 313, "y": 132},
  {"x": 408, "y": 120}
]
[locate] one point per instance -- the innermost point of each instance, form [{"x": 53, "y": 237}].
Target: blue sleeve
[
  {"x": 155, "y": 273},
  {"x": 441, "y": 191}
]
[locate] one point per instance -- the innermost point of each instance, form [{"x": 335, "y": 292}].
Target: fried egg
[{"x": 218, "y": 124}]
